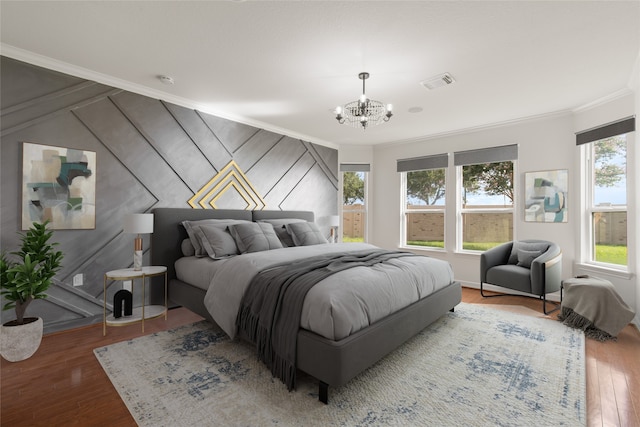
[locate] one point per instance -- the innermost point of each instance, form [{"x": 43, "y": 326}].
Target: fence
[
  {"x": 610, "y": 227},
  {"x": 353, "y": 221}
]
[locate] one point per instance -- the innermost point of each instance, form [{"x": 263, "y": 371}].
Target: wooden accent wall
[{"x": 150, "y": 154}]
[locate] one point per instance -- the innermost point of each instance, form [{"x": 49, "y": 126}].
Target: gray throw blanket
[
  {"x": 593, "y": 305},
  {"x": 270, "y": 311}
]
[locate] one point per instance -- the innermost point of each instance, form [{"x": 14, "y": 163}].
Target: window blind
[
  {"x": 606, "y": 131},
  {"x": 486, "y": 155},
  {"x": 354, "y": 167},
  {"x": 437, "y": 161}
]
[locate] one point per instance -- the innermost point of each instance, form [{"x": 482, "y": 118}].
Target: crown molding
[
  {"x": 604, "y": 100},
  {"x": 478, "y": 128},
  {"x": 105, "y": 79}
]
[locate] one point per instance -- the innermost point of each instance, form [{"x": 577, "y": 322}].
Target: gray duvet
[{"x": 337, "y": 306}]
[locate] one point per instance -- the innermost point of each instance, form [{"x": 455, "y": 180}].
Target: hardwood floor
[{"x": 64, "y": 385}]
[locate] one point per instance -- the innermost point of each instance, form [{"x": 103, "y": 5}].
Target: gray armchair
[{"x": 530, "y": 266}]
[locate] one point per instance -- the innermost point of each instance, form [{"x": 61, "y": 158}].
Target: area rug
[{"x": 474, "y": 367}]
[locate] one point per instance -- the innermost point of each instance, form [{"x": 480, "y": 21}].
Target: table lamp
[
  {"x": 334, "y": 223},
  {"x": 138, "y": 224}
]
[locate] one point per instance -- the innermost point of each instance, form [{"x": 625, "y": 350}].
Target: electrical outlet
[
  {"x": 127, "y": 285},
  {"x": 78, "y": 279}
]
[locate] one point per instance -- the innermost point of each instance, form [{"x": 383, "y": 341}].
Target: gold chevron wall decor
[{"x": 230, "y": 177}]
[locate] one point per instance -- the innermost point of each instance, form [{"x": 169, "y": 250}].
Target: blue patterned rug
[{"x": 474, "y": 367}]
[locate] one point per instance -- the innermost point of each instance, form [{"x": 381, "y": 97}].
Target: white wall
[{"x": 544, "y": 143}]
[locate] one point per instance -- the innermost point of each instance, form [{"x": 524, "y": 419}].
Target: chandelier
[{"x": 364, "y": 111}]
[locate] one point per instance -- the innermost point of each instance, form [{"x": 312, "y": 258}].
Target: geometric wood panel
[{"x": 150, "y": 153}]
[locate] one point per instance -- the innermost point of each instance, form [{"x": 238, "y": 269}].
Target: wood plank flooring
[{"x": 64, "y": 385}]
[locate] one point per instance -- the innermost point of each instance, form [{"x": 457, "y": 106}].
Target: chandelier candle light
[
  {"x": 364, "y": 111},
  {"x": 138, "y": 224}
]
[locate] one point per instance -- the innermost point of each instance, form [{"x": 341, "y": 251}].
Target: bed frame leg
[
  {"x": 453, "y": 309},
  {"x": 323, "y": 392}
]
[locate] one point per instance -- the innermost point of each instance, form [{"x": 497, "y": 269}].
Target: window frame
[
  {"x": 460, "y": 210},
  {"x": 351, "y": 167},
  {"x": 590, "y": 208},
  {"x": 404, "y": 212}
]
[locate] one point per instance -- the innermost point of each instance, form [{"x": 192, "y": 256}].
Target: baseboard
[{"x": 53, "y": 327}]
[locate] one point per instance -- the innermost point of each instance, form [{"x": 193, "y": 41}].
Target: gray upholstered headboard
[
  {"x": 168, "y": 233},
  {"x": 306, "y": 215}
]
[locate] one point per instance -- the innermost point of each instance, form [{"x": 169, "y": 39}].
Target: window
[
  {"x": 485, "y": 198},
  {"x": 354, "y": 202},
  {"x": 423, "y": 206},
  {"x": 607, "y": 162},
  {"x": 605, "y": 217}
]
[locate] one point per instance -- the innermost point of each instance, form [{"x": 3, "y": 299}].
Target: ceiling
[{"x": 285, "y": 66}]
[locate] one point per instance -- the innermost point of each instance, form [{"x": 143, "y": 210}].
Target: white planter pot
[{"x": 21, "y": 341}]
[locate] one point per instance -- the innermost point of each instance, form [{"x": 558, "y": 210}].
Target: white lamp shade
[
  {"x": 334, "y": 221},
  {"x": 138, "y": 223}
]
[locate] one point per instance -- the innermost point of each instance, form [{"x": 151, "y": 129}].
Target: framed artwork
[
  {"x": 59, "y": 185},
  {"x": 546, "y": 196}
]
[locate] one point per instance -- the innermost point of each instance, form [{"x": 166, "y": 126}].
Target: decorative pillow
[
  {"x": 526, "y": 246},
  {"x": 305, "y": 233},
  {"x": 193, "y": 226},
  {"x": 525, "y": 258},
  {"x": 217, "y": 241},
  {"x": 187, "y": 248},
  {"x": 255, "y": 237},
  {"x": 281, "y": 230}
]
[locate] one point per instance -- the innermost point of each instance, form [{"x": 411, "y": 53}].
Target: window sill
[
  {"x": 599, "y": 269},
  {"x": 468, "y": 253},
  {"x": 424, "y": 249}
]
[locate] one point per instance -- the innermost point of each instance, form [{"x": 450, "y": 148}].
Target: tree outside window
[
  {"x": 487, "y": 205},
  {"x": 354, "y": 210},
  {"x": 425, "y": 207},
  {"x": 609, "y": 200}
]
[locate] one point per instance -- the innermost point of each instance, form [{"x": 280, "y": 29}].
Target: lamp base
[
  {"x": 137, "y": 260},
  {"x": 137, "y": 254}
]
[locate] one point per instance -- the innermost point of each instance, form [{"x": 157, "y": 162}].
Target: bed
[{"x": 332, "y": 360}]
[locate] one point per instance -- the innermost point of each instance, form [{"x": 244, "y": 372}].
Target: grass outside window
[{"x": 611, "y": 254}]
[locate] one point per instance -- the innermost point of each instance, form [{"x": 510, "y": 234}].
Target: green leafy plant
[{"x": 27, "y": 275}]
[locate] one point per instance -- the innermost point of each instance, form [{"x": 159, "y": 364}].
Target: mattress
[
  {"x": 336, "y": 307},
  {"x": 197, "y": 271}
]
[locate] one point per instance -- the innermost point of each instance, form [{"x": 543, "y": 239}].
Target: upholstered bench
[{"x": 593, "y": 305}]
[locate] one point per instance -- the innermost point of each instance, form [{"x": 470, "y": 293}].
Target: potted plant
[{"x": 25, "y": 275}]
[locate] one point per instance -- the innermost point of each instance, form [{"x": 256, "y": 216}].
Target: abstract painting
[
  {"x": 546, "y": 196},
  {"x": 59, "y": 185}
]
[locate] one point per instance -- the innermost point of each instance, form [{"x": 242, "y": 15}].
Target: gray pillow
[
  {"x": 525, "y": 258},
  {"x": 305, "y": 234},
  {"x": 217, "y": 241},
  {"x": 279, "y": 225},
  {"x": 254, "y": 237},
  {"x": 526, "y": 246},
  {"x": 187, "y": 248},
  {"x": 192, "y": 230}
]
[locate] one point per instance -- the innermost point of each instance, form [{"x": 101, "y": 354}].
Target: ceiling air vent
[{"x": 438, "y": 81}]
